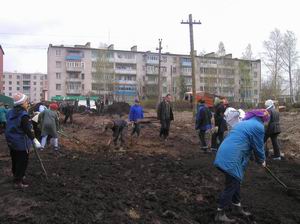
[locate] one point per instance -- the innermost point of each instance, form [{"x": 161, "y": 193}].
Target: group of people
[
  {"x": 21, "y": 135},
  {"x": 247, "y": 135}
]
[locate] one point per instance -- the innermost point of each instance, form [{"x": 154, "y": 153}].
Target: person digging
[
  {"x": 119, "y": 129},
  {"x": 233, "y": 156}
]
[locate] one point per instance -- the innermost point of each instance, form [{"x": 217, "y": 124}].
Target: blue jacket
[
  {"x": 136, "y": 112},
  {"x": 203, "y": 118},
  {"x": 235, "y": 151},
  {"x": 15, "y": 136}
]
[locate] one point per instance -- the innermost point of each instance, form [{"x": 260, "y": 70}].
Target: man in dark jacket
[
  {"x": 273, "y": 129},
  {"x": 68, "y": 111},
  {"x": 19, "y": 136},
  {"x": 203, "y": 123},
  {"x": 119, "y": 129},
  {"x": 165, "y": 115},
  {"x": 220, "y": 124}
]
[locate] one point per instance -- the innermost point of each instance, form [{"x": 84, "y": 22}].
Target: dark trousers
[
  {"x": 231, "y": 193},
  {"x": 136, "y": 129},
  {"x": 119, "y": 133},
  {"x": 67, "y": 116},
  {"x": 202, "y": 139},
  {"x": 19, "y": 164},
  {"x": 2, "y": 127},
  {"x": 219, "y": 135},
  {"x": 274, "y": 143},
  {"x": 164, "y": 129}
]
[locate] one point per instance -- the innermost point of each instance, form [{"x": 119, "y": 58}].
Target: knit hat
[
  {"x": 19, "y": 98},
  {"x": 269, "y": 104},
  {"x": 261, "y": 113},
  {"x": 53, "y": 106}
]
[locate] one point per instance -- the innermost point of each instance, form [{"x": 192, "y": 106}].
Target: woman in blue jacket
[{"x": 233, "y": 156}]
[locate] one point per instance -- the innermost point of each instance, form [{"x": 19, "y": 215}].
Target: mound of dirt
[{"x": 118, "y": 108}]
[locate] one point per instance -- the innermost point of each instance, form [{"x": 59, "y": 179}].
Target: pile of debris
[{"x": 118, "y": 108}]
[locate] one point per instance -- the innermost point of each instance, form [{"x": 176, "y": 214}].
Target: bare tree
[
  {"x": 248, "y": 55},
  {"x": 273, "y": 60},
  {"x": 221, "y": 49},
  {"x": 182, "y": 86},
  {"x": 245, "y": 80},
  {"x": 103, "y": 77},
  {"x": 289, "y": 55}
]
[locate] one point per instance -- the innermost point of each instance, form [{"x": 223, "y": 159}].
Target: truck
[{"x": 208, "y": 97}]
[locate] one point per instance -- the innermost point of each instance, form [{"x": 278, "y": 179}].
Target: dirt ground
[{"x": 152, "y": 182}]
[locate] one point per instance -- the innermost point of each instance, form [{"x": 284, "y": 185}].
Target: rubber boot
[
  {"x": 239, "y": 209},
  {"x": 222, "y": 217}
]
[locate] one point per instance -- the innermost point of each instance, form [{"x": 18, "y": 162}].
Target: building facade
[
  {"x": 82, "y": 70},
  {"x": 34, "y": 85},
  {"x": 1, "y": 69}
]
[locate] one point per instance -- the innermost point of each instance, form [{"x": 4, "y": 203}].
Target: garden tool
[
  {"x": 290, "y": 191},
  {"x": 40, "y": 160}
]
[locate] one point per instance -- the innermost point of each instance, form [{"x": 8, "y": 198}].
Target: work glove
[
  {"x": 264, "y": 164},
  {"x": 37, "y": 144}
]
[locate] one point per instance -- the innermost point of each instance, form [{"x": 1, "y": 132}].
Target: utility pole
[
  {"x": 191, "y": 23},
  {"x": 159, "y": 73}
]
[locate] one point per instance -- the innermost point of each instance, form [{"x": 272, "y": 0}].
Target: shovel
[
  {"x": 290, "y": 191},
  {"x": 40, "y": 160}
]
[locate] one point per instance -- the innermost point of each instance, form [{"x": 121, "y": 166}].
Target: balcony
[
  {"x": 125, "y": 82},
  {"x": 74, "y": 69},
  {"x": 125, "y": 71},
  {"x": 73, "y": 91}
]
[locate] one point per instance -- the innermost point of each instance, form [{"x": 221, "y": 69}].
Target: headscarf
[{"x": 261, "y": 113}]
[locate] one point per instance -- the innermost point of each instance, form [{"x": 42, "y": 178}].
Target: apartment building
[
  {"x": 1, "y": 69},
  {"x": 82, "y": 70},
  {"x": 34, "y": 85}
]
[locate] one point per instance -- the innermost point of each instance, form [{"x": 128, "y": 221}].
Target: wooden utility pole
[
  {"x": 191, "y": 23},
  {"x": 159, "y": 73}
]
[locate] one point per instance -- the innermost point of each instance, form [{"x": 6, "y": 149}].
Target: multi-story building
[
  {"x": 1, "y": 69},
  {"x": 82, "y": 70},
  {"x": 34, "y": 85}
]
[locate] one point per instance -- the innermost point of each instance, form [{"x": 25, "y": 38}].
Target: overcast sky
[{"x": 28, "y": 27}]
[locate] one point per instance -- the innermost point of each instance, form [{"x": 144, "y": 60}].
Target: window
[
  {"x": 41, "y": 78},
  {"x": 10, "y": 76},
  {"x": 255, "y": 74},
  {"x": 18, "y": 77},
  {"x": 58, "y": 64},
  {"x": 58, "y": 86},
  {"x": 10, "y": 94},
  {"x": 58, "y": 75},
  {"x": 57, "y": 52},
  {"x": 82, "y": 76},
  {"x": 26, "y": 83},
  {"x": 10, "y": 82},
  {"x": 10, "y": 88},
  {"x": 18, "y": 82},
  {"x": 26, "y": 88},
  {"x": 82, "y": 86},
  {"x": 41, "y": 83},
  {"x": 34, "y": 77},
  {"x": 26, "y": 76},
  {"x": 18, "y": 88},
  {"x": 34, "y": 83}
]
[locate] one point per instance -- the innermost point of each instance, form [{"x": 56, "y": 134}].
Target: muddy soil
[{"x": 151, "y": 182}]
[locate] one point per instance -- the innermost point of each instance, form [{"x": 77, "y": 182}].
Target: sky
[{"x": 28, "y": 27}]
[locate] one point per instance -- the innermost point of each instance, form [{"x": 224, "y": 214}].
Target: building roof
[
  {"x": 211, "y": 55},
  {"x": 1, "y": 49}
]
